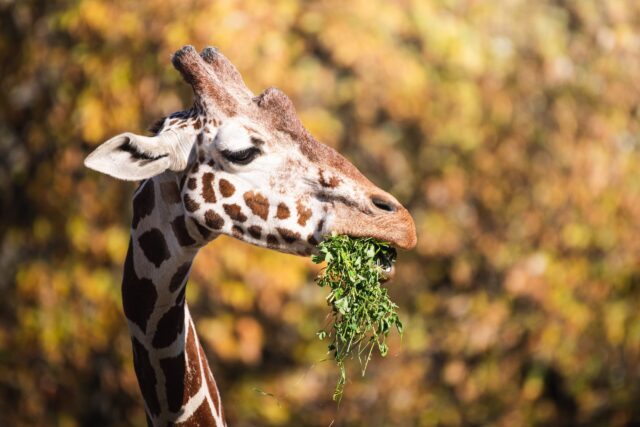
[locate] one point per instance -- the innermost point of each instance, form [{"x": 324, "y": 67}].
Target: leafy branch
[{"x": 362, "y": 313}]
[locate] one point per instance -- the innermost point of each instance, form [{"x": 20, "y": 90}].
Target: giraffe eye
[{"x": 241, "y": 157}]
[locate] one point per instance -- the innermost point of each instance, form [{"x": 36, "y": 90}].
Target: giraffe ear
[{"x": 133, "y": 157}]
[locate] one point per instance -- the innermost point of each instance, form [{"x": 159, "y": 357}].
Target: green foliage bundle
[{"x": 362, "y": 313}]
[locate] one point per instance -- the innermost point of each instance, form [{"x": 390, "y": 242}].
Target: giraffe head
[{"x": 248, "y": 168}]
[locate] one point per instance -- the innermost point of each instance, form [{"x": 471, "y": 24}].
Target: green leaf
[{"x": 361, "y": 310}]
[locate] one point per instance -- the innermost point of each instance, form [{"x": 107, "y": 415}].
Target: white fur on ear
[{"x": 134, "y": 157}]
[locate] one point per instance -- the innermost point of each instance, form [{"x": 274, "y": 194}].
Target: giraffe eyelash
[{"x": 242, "y": 157}]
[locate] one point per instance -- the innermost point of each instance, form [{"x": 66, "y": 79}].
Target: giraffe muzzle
[
  {"x": 396, "y": 227},
  {"x": 387, "y": 263}
]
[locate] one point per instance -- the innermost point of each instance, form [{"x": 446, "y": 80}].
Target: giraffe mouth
[{"x": 386, "y": 263}]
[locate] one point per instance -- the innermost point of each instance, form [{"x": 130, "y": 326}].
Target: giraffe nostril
[{"x": 384, "y": 205}]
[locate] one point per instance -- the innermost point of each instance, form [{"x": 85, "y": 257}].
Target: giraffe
[{"x": 233, "y": 164}]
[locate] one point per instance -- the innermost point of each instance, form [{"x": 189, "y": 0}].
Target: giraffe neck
[{"x": 170, "y": 364}]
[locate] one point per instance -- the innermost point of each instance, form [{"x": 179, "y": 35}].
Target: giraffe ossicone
[{"x": 233, "y": 164}]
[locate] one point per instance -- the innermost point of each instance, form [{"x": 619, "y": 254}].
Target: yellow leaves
[
  {"x": 533, "y": 387},
  {"x": 483, "y": 324},
  {"x": 312, "y": 21},
  {"x": 615, "y": 317},
  {"x": 41, "y": 229},
  {"x": 178, "y": 35},
  {"x": 527, "y": 278},
  {"x": 97, "y": 286},
  {"x": 233, "y": 338},
  {"x": 116, "y": 243},
  {"x": 53, "y": 319},
  {"x": 236, "y": 294},
  {"x": 92, "y": 119},
  {"x": 273, "y": 413},
  {"x": 95, "y": 14},
  {"x": 113, "y": 20},
  {"x": 576, "y": 235},
  {"x": 250, "y": 338},
  {"x": 454, "y": 372},
  {"x": 323, "y": 125},
  {"x": 509, "y": 128},
  {"x": 437, "y": 234},
  {"x": 78, "y": 233}
]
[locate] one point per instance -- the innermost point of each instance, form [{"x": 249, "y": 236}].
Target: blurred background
[{"x": 509, "y": 129}]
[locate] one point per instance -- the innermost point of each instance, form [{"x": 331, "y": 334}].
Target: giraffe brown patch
[
  {"x": 198, "y": 124},
  {"x": 195, "y": 168},
  {"x": 258, "y": 204},
  {"x": 154, "y": 246},
  {"x": 255, "y": 231},
  {"x": 312, "y": 240},
  {"x": 144, "y": 202},
  {"x": 146, "y": 376},
  {"x": 213, "y": 220},
  {"x": 213, "y": 388},
  {"x": 170, "y": 192},
  {"x": 207, "y": 188},
  {"x": 272, "y": 240},
  {"x": 304, "y": 213},
  {"x": 320, "y": 225},
  {"x": 178, "y": 277},
  {"x": 191, "y": 183},
  {"x": 211, "y": 163},
  {"x": 288, "y": 235},
  {"x": 282, "y": 211},
  {"x": 179, "y": 227},
  {"x": 204, "y": 232},
  {"x": 201, "y": 417},
  {"x": 190, "y": 204},
  {"x": 333, "y": 181},
  {"x": 138, "y": 294},
  {"x": 169, "y": 327},
  {"x": 173, "y": 371},
  {"x": 182, "y": 374},
  {"x": 235, "y": 212},
  {"x": 237, "y": 231},
  {"x": 192, "y": 378},
  {"x": 226, "y": 188}
]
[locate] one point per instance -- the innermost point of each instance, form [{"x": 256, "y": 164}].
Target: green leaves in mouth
[{"x": 362, "y": 315}]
